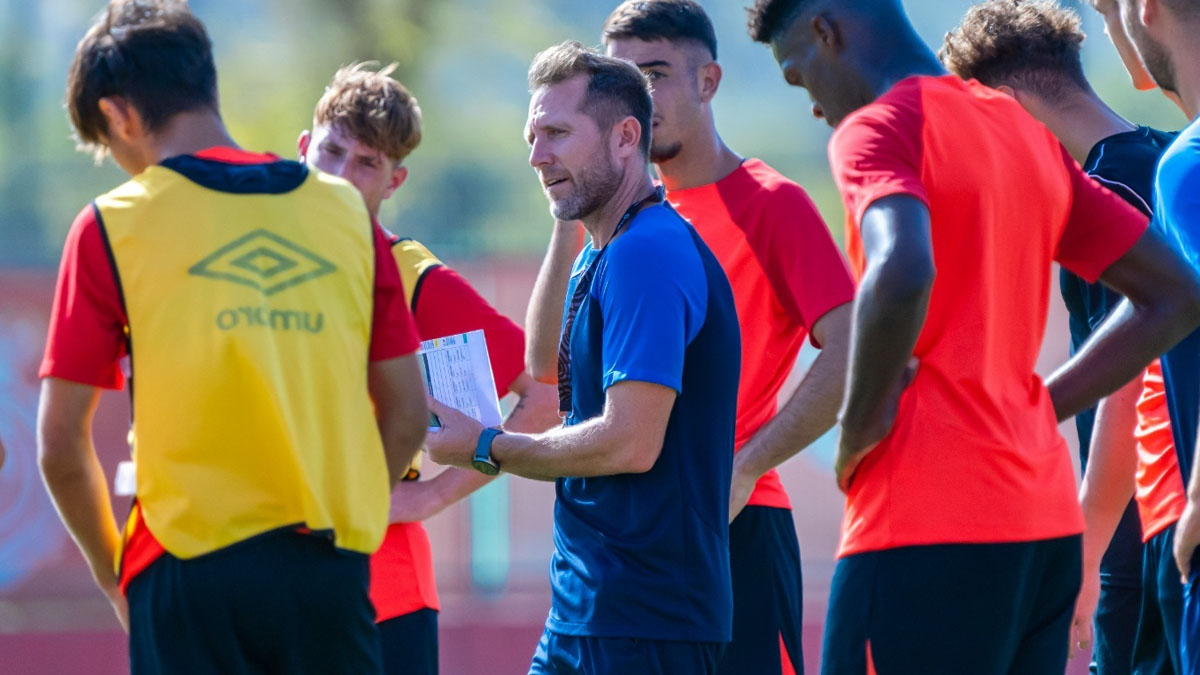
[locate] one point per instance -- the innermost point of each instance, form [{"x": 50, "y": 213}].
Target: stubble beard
[
  {"x": 594, "y": 186},
  {"x": 665, "y": 153}
]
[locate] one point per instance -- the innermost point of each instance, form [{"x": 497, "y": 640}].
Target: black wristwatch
[{"x": 483, "y": 461}]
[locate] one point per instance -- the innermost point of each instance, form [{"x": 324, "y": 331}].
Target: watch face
[{"x": 485, "y": 467}]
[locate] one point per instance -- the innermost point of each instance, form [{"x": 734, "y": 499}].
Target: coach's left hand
[
  {"x": 454, "y": 443},
  {"x": 1187, "y": 539}
]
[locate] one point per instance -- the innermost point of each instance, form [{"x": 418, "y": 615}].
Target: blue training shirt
[
  {"x": 647, "y": 555},
  {"x": 1177, "y": 191},
  {"x": 1124, "y": 163}
]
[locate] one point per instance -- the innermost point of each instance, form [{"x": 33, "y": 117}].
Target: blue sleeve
[
  {"x": 1180, "y": 200},
  {"x": 653, "y": 295}
]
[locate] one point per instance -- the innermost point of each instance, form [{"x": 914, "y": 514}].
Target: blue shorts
[
  {"x": 410, "y": 643},
  {"x": 559, "y": 654},
  {"x": 1156, "y": 646},
  {"x": 768, "y": 603},
  {"x": 281, "y": 602},
  {"x": 983, "y": 609}
]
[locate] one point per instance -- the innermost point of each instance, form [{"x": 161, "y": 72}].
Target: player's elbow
[
  {"x": 544, "y": 370},
  {"x": 906, "y": 280},
  {"x": 638, "y": 456},
  {"x": 57, "y": 459}
]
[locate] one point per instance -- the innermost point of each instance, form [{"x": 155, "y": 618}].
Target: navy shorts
[
  {"x": 1156, "y": 647},
  {"x": 559, "y": 654},
  {"x": 983, "y": 609},
  {"x": 410, "y": 643},
  {"x": 281, "y": 602},
  {"x": 764, "y": 556}
]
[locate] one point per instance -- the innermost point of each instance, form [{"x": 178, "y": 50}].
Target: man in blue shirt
[
  {"x": 1163, "y": 31},
  {"x": 649, "y": 360}
]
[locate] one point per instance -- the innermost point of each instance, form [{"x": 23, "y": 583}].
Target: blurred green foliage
[{"x": 471, "y": 192}]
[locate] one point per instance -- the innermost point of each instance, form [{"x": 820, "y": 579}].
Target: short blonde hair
[{"x": 373, "y": 108}]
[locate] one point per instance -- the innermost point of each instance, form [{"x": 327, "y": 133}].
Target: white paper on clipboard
[{"x": 457, "y": 372}]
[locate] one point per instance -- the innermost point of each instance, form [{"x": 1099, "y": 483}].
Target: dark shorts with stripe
[
  {"x": 983, "y": 609},
  {"x": 410, "y": 643},
  {"x": 1156, "y": 646},
  {"x": 559, "y": 654},
  {"x": 281, "y": 602},
  {"x": 768, "y": 602}
]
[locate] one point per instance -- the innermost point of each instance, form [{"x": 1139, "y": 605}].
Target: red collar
[{"x": 220, "y": 153}]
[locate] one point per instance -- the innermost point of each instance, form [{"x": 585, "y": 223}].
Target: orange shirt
[
  {"x": 402, "y": 579},
  {"x": 975, "y": 455},
  {"x": 1160, "y": 494},
  {"x": 786, "y": 273}
]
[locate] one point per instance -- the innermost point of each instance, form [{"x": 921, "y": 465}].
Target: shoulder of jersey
[
  {"x": 337, "y": 186},
  {"x": 414, "y": 262}
]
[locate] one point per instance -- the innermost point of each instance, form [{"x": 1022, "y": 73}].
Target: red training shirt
[
  {"x": 786, "y": 273},
  {"x": 86, "y": 340},
  {"x": 974, "y": 455},
  {"x": 402, "y": 578}
]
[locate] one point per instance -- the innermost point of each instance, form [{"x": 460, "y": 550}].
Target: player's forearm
[
  {"x": 401, "y": 412},
  {"x": 1162, "y": 306},
  {"x": 414, "y": 501},
  {"x": 597, "y": 447},
  {"x": 79, "y": 491},
  {"x": 1108, "y": 483},
  {"x": 810, "y": 412},
  {"x": 1121, "y": 348},
  {"x": 536, "y": 409},
  {"x": 892, "y": 303},
  {"x": 543, "y": 319}
]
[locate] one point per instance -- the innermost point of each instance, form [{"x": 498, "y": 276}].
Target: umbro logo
[{"x": 264, "y": 261}]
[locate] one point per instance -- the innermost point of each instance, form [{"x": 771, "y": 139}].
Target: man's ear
[
  {"x": 1149, "y": 12},
  {"x": 121, "y": 120},
  {"x": 626, "y": 137},
  {"x": 1007, "y": 91},
  {"x": 828, "y": 34},
  {"x": 302, "y": 144},
  {"x": 399, "y": 175},
  {"x": 710, "y": 81}
]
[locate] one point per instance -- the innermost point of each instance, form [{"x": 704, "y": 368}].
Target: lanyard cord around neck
[{"x": 581, "y": 291}]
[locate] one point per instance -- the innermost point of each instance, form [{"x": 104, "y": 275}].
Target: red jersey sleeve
[
  {"x": 877, "y": 152},
  {"x": 446, "y": 304},
  {"x": 1100, "y": 228},
  {"x": 88, "y": 323},
  {"x": 393, "y": 331},
  {"x": 811, "y": 284}
]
